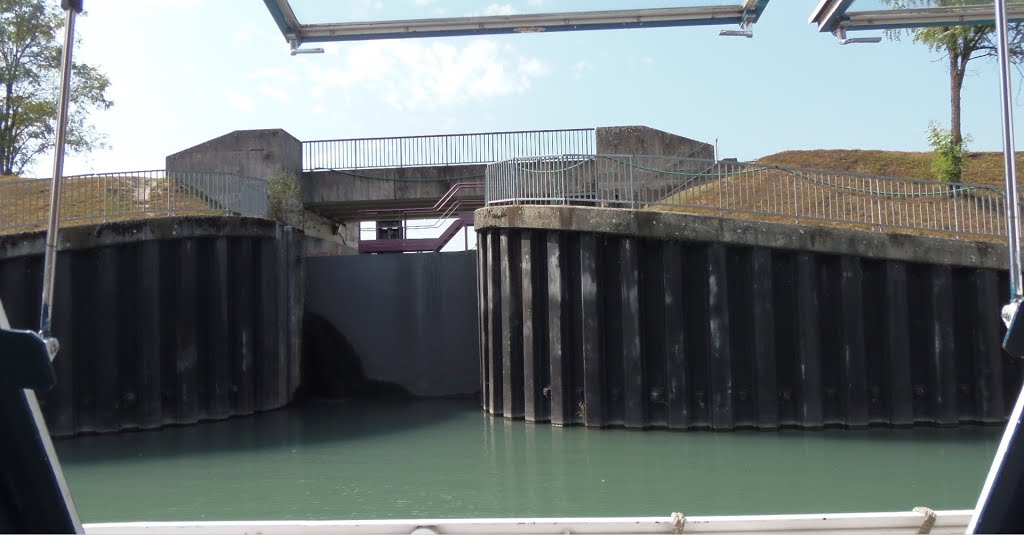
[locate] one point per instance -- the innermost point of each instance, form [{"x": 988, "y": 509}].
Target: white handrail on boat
[{"x": 846, "y": 523}]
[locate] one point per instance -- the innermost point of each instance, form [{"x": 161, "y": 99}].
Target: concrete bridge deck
[
  {"x": 344, "y": 179},
  {"x": 400, "y": 193}
]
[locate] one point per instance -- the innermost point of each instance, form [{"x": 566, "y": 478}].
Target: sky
[{"x": 185, "y": 71}]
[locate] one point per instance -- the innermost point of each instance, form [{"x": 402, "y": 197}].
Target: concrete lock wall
[
  {"x": 250, "y": 153},
  {"x": 164, "y": 321},
  {"x": 648, "y": 319},
  {"x": 261, "y": 154},
  {"x": 409, "y": 318},
  {"x": 650, "y": 142}
]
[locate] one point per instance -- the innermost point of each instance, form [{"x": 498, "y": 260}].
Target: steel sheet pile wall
[
  {"x": 164, "y": 322},
  {"x": 643, "y": 331},
  {"x": 407, "y": 317}
]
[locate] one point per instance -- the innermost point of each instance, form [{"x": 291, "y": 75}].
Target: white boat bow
[{"x": 921, "y": 520}]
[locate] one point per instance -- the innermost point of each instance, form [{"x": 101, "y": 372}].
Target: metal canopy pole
[
  {"x": 1009, "y": 154},
  {"x": 998, "y": 509},
  {"x": 73, "y": 8}
]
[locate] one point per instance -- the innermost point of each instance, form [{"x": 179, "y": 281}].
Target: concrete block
[{"x": 251, "y": 153}]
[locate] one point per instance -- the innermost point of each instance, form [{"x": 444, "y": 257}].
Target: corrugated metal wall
[
  {"x": 603, "y": 330},
  {"x": 167, "y": 331}
]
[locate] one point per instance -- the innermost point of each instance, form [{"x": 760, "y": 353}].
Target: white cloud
[
  {"x": 275, "y": 92},
  {"x": 580, "y": 68},
  {"x": 276, "y": 75},
  {"x": 532, "y": 67},
  {"x": 409, "y": 75},
  {"x": 174, "y": 4},
  {"x": 499, "y": 9},
  {"x": 239, "y": 101},
  {"x": 360, "y": 9},
  {"x": 242, "y": 36}
]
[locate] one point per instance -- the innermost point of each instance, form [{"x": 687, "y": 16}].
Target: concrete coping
[
  {"x": 138, "y": 230},
  {"x": 703, "y": 228}
]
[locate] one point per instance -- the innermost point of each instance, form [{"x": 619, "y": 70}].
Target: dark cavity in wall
[{"x": 332, "y": 369}]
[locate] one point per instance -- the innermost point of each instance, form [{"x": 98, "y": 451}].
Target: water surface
[{"x": 445, "y": 459}]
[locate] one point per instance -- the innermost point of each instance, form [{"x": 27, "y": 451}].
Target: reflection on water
[{"x": 445, "y": 459}]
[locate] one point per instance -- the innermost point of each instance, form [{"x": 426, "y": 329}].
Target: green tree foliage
[
  {"x": 960, "y": 45},
  {"x": 31, "y": 42},
  {"x": 284, "y": 198},
  {"x": 948, "y": 164}
]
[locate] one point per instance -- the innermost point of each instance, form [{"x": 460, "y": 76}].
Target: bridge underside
[
  {"x": 427, "y": 192},
  {"x": 406, "y": 209}
]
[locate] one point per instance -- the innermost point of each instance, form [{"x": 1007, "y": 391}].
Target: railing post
[
  {"x": 796, "y": 199},
  {"x": 487, "y": 184},
  {"x": 876, "y": 195},
  {"x": 513, "y": 186},
  {"x": 718, "y": 172},
  {"x": 562, "y": 186},
  {"x": 956, "y": 213},
  {"x": 632, "y": 187}
]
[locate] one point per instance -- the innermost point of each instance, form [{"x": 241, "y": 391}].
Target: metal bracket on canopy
[
  {"x": 1013, "y": 342},
  {"x": 840, "y": 33},
  {"x": 746, "y": 27},
  {"x": 295, "y": 43}
]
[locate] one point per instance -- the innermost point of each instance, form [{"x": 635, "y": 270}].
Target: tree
[
  {"x": 30, "y": 61},
  {"x": 961, "y": 44}
]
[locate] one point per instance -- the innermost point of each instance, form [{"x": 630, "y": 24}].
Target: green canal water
[{"x": 445, "y": 459}]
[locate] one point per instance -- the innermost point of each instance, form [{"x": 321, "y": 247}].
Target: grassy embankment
[
  {"x": 782, "y": 192},
  {"x": 25, "y": 204}
]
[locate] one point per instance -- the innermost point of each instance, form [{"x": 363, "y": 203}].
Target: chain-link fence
[
  {"x": 98, "y": 198},
  {"x": 753, "y": 191}
]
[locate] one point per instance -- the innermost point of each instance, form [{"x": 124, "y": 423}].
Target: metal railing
[
  {"x": 441, "y": 150},
  {"x": 97, "y": 198},
  {"x": 763, "y": 192}
]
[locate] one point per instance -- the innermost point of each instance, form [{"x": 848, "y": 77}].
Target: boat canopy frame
[
  {"x": 743, "y": 13},
  {"x": 834, "y": 16}
]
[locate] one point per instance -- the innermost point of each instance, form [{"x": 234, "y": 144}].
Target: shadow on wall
[{"x": 332, "y": 369}]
